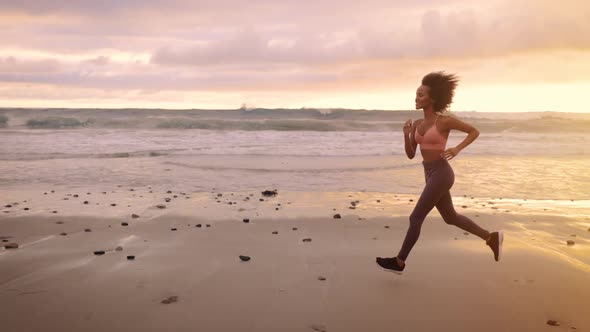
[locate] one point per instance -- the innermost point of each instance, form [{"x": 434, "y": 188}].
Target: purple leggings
[{"x": 439, "y": 180}]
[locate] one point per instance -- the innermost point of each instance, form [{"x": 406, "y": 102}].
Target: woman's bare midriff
[{"x": 431, "y": 155}]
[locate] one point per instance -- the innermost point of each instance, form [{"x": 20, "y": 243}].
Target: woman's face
[{"x": 423, "y": 97}]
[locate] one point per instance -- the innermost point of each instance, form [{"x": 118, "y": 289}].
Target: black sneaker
[
  {"x": 390, "y": 265},
  {"x": 495, "y": 243}
]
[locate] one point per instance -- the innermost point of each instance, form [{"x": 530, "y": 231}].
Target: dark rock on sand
[
  {"x": 170, "y": 299},
  {"x": 275, "y": 232},
  {"x": 134, "y": 216},
  {"x": 161, "y": 206},
  {"x": 244, "y": 258},
  {"x": 307, "y": 240},
  {"x": 99, "y": 252},
  {"x": 11, "y": 246},
  {"x": 262, "y": 200},
  {"x": 337, "y": 216},
  {"x": 386, "y": 226},
  {"x": 294, "y": 228},
  {"x": 87, "y": 230},
  {"x": 246, "y": 220},
  {"x": 7, "y": 206},
  {"x": 113, "y": 204},
  {"x": 553, "y": 322},
  {"x": 167, "y": 200},
  {"x": 169, "y": 192},
  {"x": 130, "y": 257},
  {"x": 198, "y": 225},
  {"x": 173, "y": 229},
  {"x": 119, "y": 248},
  {"x": 269, "y": 193},
  {"x": 59, "y": 222},
  {"x": 26, "y": 209},
  {"x": 319, "y": 328},
  {"x": 570, "y": 242},
  {"x": 63, "y": 233},
  {"x": 207, "y": 225},
  {"x": 124, "y": 224},
  {"x": 321, "y": 278}
]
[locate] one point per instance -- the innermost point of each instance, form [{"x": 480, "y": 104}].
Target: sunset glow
[{"x": 511, "y": 55}]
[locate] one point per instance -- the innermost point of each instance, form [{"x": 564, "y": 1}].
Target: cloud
[
  {"x": 10, "y": 65},
  {"x": 186, "y": 46}
]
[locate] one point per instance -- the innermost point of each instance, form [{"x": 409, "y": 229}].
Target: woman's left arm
[{"x": 453, "y": 123}]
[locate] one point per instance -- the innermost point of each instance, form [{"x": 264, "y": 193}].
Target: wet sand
[{"x": 187, "y": 278}]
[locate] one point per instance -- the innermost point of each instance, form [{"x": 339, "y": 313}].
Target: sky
[{"x": 517, "y": 55}]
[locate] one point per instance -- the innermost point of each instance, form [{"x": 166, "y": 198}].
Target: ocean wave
[
  {"x": 277, "y": 120},
  {"x": 263, "y": 169},
  {"x": 49, "y": 156}
]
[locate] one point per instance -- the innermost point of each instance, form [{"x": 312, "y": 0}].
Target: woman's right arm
[{"x": 409, "y": 139}]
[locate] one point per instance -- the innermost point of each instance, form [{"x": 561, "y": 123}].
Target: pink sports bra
[{"x": 432, "y": 139}]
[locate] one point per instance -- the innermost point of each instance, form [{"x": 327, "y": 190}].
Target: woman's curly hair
[{"x": 442, "y": 89}]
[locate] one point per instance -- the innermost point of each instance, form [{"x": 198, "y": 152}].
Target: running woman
[{"x": 433, "y": 97}]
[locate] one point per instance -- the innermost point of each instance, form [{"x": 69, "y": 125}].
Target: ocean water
[{"x": 544, "y": 162}]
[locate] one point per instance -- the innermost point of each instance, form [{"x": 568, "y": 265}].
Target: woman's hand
[
  {"x": 407, "y": 127},
  {"x": 450, "y": 153}
]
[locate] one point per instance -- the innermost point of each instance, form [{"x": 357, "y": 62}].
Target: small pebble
[
  {"x": 307, "y": 240},
  {"x": 321, "y": 278},
  {"x": 99, "y": 252},
  {"x": 119, "y": 248},
  {"x": 246, "y": 220},
  {"x": 63, "y": 234},
  {"x": 275, "y": 232},
  {"x": 553, "y": 322},
  {"x": 207, "y": 225},
  {"x": 173, "y": 229},
  {"x": 87, "y": 230},
  {"x": 337, "y": 216},
  {"x": 85, "y": 202},
  {"x": 130, "y": 257},
  {"x": 386, "y": 226},
  {"x": 570, "y": 242},
  {"x": 244, "y": 258},
  {"x": 124, "y": 224},
  {"x": 169, "y": 300},
  {"x": 113, "y": 204},
  {"x": 161, "y": 206},
  {"x": 294, "y": 228},
  {"x": 134, "y": 216},
  {"x": 198, "y": 225},
  {"x": 11, "y": 246}
]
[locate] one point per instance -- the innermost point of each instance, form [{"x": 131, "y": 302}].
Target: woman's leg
[
  {"x": 432, "y": 193},
  {"x": 451, "y": 217}
]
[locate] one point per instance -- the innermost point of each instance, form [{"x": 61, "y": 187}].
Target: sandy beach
[{"x": 308, "y": 271}]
